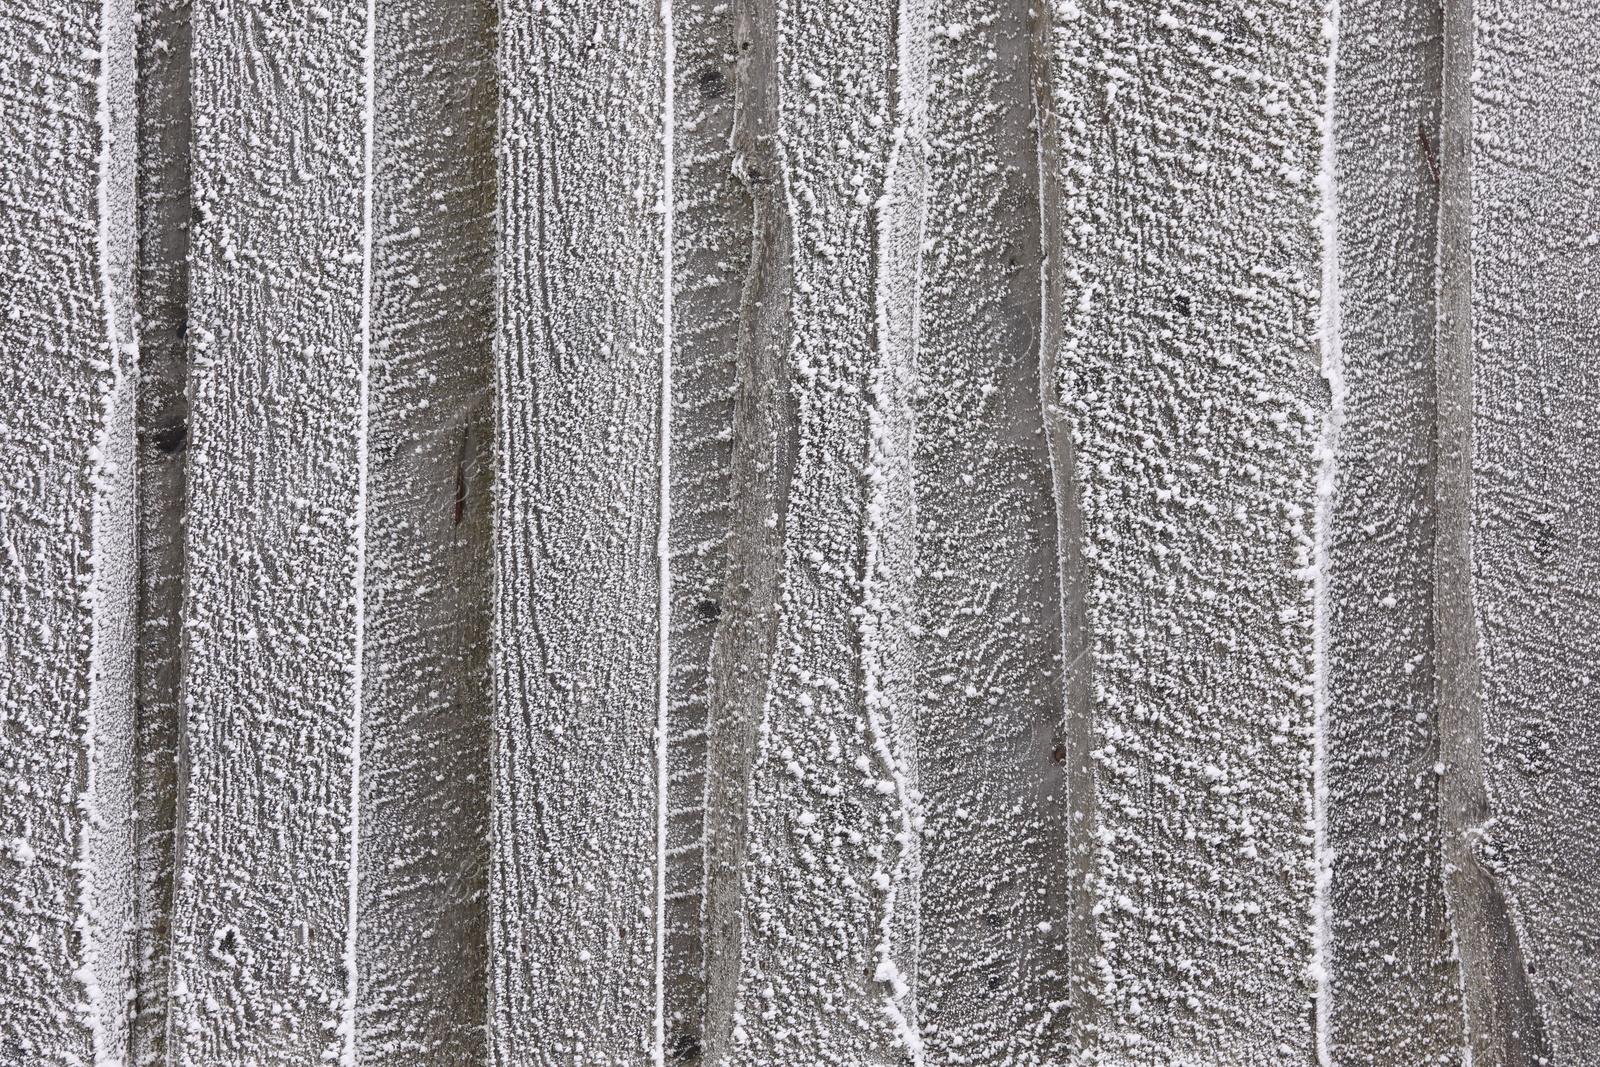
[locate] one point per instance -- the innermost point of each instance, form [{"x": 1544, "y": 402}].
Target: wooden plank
[
  {"x": 1188, "y": 371},
  {"x": 338, "y": 597},
  {"x": 811, "y": 814},
  {"x": 1387, "y": 950},
  {"x": 423, "y": 910},
  {"x": 993, "y": 972},
  {"x": 1518, "y": 517},
  {"x": 711, "y": 251},
  {"x": 279, "y": 334},
  {"x": 67, "y": 528},
  {"x": 793, "y": 541},
  {"x": 163, "y": 425},
  {"x": 578, "y": 606}
]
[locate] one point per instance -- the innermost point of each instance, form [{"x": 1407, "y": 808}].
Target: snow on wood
[
  {"x": 576, "y": 790},
  {"x": 422, "y": 912},
  {"x": 67, "y": 245},
  {"x": 1188, "y": 371},
  {"x": 1387, "y": 949},
  {"x": 995, "y": 911},
  {"x": 278, "y": 335},
  {"x": 1518, "y": 519}
]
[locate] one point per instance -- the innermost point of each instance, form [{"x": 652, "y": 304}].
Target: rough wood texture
[
  {"x": 1519, "y": 516},
  {"x": 68, "y": 365},
  {"x": 606, "y": 532},
  {"x": 811, "y": 811},
  {"x": 279, "y": 338},
  {"x": 712, "y": 247},
  {"x": 989, "y": 642},
  {"x": 1386, "y": 945},
  {"x": 762, "y": 430},
  {"x": 576, "y": 781},
  {"x": 423, "y": 910},
  {"x": 1188, "y": 371},
  {"x": 163, "y": 428}
]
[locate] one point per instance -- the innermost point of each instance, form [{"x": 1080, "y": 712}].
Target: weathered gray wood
[
  {"x": 711, "y": 252},
  {"x": 336, "y": 677},
  {"x": 1188, "y": 371},
  {"x": 993, "y": 972},
  {"x": 762, "y": 470},
  {"x": 68, "y": 364},
  {"x": 279, "y": 341},
  {"x": 811, "y": 810},
  {"x": 797, "y": 533},
  {"x": 163, "y": 427},
  {"x": 1519, "y": 521},
  {"x": 422, "y": 914},
  {"x": 577, "y": 788},
  {"x": 1387, "y": 950}
]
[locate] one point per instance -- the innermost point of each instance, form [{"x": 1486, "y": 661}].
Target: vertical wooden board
[
  {"x": 763, "y": 431},
  {"x": 812, "y": 808},
  {"x": 576, "y": 791},
  {"x": 422, "y": 913},
  {"x": 993, "y": 970},
  {"x": 262, "y": 936},
  {"x": 67, "y": 530},
  {"x": 163, "y": 428},
  {"x": 1387, "y": 952},
  {"x": 711, "y": 250},
  {"x": 1531, "y": 512},
  {"x": 1190, "y": 269}
]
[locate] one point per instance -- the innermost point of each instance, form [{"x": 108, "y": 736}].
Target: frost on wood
[
  {"x": 335, "y": 678},
  {"x": 711, "y": 252},
  {"x": 422, "y": 908},
  {"x": 579, "y": 483},
  {"x": 1188, "y": 372},
  {"x": 993, "y": 973},
  {"x": 1387, "y": 950},
  {"x": 67, "y": 531},
  {"x": 274, "y": 536},
  {"x": 1519, "y": 516},
  {"x": 811, "y": 832},
  {"x": 555, "y": 532}
]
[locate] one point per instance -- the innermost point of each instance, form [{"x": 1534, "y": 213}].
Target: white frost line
[
  {"x": 1333, "y": 371},
  {"x": 369, "y": 91},
  {"x": 883, "y": 391},
  {"x": 663, "y": 539},
  {"x": 103, "y": 471}
]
